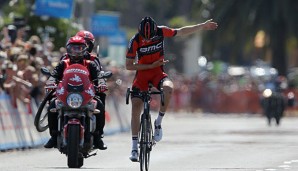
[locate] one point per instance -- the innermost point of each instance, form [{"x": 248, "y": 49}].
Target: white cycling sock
[
  {"x": 134, "y": 142},
  {"x": 159, "y": 117}
]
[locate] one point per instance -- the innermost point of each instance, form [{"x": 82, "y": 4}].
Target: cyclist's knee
[
  {"x": 168, "y": 85},
  {"x": 168, "y": 89}
]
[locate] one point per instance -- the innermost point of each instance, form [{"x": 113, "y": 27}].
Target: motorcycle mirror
[{"x": 45, "y": 71}]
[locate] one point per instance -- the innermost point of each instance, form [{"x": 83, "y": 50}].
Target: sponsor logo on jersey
[{"x": 151, "y": 48}]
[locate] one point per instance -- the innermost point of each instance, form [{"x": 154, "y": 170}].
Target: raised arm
[{"x": 186, "y": 30}]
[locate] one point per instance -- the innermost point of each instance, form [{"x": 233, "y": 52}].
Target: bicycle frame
[{"x": 146, "y": 132}]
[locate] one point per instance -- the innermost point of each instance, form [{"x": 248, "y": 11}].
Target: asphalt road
[{"x": 191, "y": 142}]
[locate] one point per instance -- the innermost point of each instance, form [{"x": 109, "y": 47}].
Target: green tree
[
  {"x": 239, "y": 21},
  {"x": 23, "y": 8}
]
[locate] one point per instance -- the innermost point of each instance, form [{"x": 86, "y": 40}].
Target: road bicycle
[{"x": 146, "y": 139}]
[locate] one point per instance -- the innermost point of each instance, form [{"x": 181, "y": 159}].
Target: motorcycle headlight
[
  {"x": 74, "y": 100},
  {"x": 267, "y": 93}
]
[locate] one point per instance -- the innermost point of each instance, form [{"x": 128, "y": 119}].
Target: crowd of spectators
[
  {"x": 20, "y": 61},
  {"x": 209, "y": 93},
  {"x": 22, "y": 56}
]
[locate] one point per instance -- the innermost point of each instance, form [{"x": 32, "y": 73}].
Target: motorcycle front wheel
[{"x": 73, "y": 138}]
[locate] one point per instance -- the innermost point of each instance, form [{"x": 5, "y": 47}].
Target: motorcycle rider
[
  {"x": 89, "y": 38},
  {"x": 76, "y": 49},
  {"x": 273, "y": 100}
]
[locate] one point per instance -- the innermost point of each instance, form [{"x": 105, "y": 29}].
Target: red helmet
[
  {"x": 147, "y": 28},
  {"x": 76, "y": 47},
  {"x": 88, "y": 36}
]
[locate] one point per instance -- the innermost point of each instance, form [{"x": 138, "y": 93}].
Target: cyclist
[
  {"x": 148, "y": 47},
  {"x": 76, "y": 47}
]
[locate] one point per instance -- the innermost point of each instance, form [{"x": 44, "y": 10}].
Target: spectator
[{"x": 3, "y": 58}]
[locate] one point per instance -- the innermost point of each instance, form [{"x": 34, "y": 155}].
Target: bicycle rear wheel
[{"x": 145, "y": 144}]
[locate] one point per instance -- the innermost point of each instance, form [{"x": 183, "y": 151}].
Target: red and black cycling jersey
[
  {"x": 87, "y": 56},
  {"x": 57, "y": 73},
  {"x": 149, "y": 51}
]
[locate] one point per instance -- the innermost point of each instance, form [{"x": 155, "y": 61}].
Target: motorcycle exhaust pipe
[{"x": 96, "y": 111}]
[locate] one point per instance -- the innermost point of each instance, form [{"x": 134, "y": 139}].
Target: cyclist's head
[
  {"x": 88, "y": 36},
  {"x": 76, "y": 47},
  {"x": 147, "y": 28}
]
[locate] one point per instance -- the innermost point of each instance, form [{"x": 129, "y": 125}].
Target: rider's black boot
[
  {"x": 51, "y": 143},
  {"x": 98, "y": 142},
  {"x": 53, "y": 131}
]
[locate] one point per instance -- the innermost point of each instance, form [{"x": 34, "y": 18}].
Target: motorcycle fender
[{"x": 74, "y": 122}]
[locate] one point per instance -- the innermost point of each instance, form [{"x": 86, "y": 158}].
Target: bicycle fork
[{"x": 149, "y": 141}]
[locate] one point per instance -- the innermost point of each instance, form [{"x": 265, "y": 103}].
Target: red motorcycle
[{"x": 76, "y": 109}]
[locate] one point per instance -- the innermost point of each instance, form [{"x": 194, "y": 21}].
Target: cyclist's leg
[
  {"x": 167, "y": 86},
  {"x": 137, "y": 106},
  {"x": 139, "y": 84}
]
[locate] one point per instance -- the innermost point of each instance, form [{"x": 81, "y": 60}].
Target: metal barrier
[{"x": 17, "y": 130}]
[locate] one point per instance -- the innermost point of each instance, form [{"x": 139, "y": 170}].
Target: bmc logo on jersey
[{"x": 151, "y": 48}]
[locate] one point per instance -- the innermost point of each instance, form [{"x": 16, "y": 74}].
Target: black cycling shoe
[
  {"x": 98, "y": 143},
  {"x": 51, "y": 143}
]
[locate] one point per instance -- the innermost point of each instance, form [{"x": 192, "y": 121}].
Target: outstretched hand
[{"x": 210, "y": 25}]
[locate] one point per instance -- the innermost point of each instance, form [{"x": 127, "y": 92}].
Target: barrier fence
[{"x": 17, "y": 130}]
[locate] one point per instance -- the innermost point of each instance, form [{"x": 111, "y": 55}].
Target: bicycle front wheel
[{"x": 145, "y": 144}]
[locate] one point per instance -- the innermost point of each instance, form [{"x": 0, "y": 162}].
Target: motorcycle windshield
[{"x": 76, "y": 79}]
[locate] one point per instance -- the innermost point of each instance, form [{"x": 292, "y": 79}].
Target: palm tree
[{"x": 239, "y": 21}]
